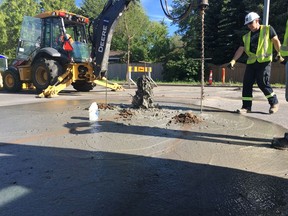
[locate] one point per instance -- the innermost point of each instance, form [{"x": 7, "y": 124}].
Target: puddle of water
[{"x": 94, "y": 127}]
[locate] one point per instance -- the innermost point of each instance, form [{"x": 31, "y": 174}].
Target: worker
[
  {"x": 61, "y": 38},
  {"x": 282, "y": 143},
  {"x": 64, "y": 43},
  {"x": 284, "y": 54},
  {"x": 258, "y": 45}
]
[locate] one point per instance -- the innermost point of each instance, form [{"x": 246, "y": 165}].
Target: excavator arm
[{"x": 103, "y": 27}]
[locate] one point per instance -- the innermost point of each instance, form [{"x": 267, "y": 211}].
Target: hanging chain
[{"x": 202, "y": 60}]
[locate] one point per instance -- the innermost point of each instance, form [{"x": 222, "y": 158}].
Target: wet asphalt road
[{"x": 55, "y": 162}]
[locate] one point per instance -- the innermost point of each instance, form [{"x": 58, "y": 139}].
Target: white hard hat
[{"x": 250, "y": 17}]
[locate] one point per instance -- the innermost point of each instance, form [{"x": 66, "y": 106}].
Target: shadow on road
[
  {"x": 87, "y": 127},
  {"x": 57, "y": 181}
]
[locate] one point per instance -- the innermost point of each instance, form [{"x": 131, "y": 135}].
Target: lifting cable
[{"x": 179, "y": 18}]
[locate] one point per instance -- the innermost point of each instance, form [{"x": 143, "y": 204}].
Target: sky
[{"x": 154, "y": 12}]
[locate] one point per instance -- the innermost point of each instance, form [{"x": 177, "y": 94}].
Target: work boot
[
  {"x": 243, "y": 110},
  {"x": 280, "y": 143},
  {"x": 274, "y": 108}
]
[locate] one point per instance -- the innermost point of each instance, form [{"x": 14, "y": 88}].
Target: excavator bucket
[{"x": 49, "y": 92}]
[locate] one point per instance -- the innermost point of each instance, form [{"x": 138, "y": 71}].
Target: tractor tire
[
  {"x": 83, "y": 86},
  {"x": 45, "y": 72},
  {"x": 11, "y": 81}
]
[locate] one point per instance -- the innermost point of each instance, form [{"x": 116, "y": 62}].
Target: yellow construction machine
[{"x": 53, "y": 51}]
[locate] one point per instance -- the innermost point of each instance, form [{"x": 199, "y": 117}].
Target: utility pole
[{"x": 266, "y": 12}]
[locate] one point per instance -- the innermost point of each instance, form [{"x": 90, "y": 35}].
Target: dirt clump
[
  {"x": 104, "y": 106},
  {"x": 126, "y": 114},
  {"x": 186, "y": 118}
]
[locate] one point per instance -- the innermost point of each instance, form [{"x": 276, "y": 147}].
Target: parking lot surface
[{"x": 54, "y": 161}]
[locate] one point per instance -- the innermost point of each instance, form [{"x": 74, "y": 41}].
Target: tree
[
  {"x": 177, "y": 66},
  {"x": 278, "y": 16},
  {"x": 157, "y": 41},
  {"x": 146, "y": 40},
  {"x": 13, "y": 12},
  {"x": 50, "y": 5},
  {"x": 92, "y": 8},
  {"x": 222, "y": 31},
  {"x": 130, "y": 27},
  {"x": 3, "y": 32},
  {"x": 182, "y": 62}
]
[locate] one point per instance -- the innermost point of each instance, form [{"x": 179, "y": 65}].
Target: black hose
[{"x": 179, "y": 18}]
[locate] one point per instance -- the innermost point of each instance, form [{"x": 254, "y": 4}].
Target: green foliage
[
  {"x": 3, "y": 31},
  {"x": 183, "y": 69},
  {"x": 157, "y": 42},
  {"x": 278, "y": 16},
  {"x": 141, "y": 39},
  {"x": 92, "y": 8},
  {"x": 128, "y": 32},
  {"x": 178, "y": 66},
  {"x": 219, "y": 31},
  {"x": 13, "y": 11},
  {"x": 50, "y": 5}
]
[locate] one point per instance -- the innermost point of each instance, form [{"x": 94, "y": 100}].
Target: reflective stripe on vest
[
  {"x": 284, "y": 47},
  {"x": 264, "y": 49}
]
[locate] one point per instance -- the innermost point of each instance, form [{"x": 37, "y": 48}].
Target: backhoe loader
[{"x": 53, "y": 51}]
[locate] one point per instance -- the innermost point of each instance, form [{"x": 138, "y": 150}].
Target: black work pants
[{"x": 259, "y": 72}]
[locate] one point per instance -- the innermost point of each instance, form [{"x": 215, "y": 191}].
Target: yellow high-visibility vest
[
  {"x": 284, "y": 47},
  {"x": 264, "y": 51}
]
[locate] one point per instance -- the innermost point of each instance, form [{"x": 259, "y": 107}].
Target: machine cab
[{"x": 62, "y": 31}]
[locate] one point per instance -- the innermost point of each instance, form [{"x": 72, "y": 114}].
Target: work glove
[
  {"x": 279, "y": 58},
  {"x": 231, "y": 64}
]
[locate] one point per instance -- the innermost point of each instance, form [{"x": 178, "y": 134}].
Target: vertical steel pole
[{"x": 266, "y": 12}]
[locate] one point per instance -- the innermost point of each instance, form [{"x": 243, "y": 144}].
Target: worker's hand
[
  {"x": 231, "y": 64},
  {"x": 279, "y": 58}
]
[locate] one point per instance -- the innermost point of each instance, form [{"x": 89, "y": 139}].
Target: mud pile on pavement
[
  {"x": 104, "y": 106},
  {"x": 150, "y": 114},
  {"x": 137, "y": 114},
  {"x": 186, "y": 118},
  {"x": 126, "y": 114}
]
